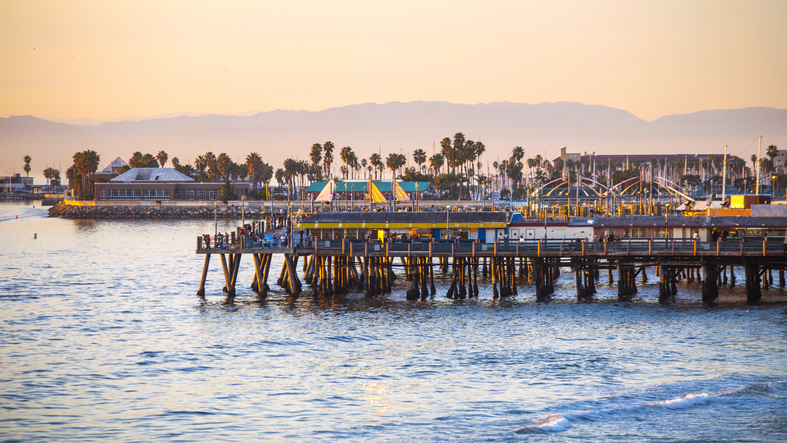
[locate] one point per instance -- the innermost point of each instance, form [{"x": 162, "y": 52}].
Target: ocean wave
[
  {"x": 776, "y": 388},
  {"x": 551, "y": 423},
  {"x": 683, "y": 402}
]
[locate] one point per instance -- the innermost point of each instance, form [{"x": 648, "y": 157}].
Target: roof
[
  {"x": 388, "y": 219},
  {"x": 382, "y": 185},
  {"x": 116, "y": 163},
  {"x": 689, "y": 222},
  {"x": 151, "y": 174}
]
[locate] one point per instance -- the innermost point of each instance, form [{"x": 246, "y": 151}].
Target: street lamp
[
  {"x": 289, "y": 223},
  {"x": 352, "y": 197},
  {"x": 345, "y": 197},
  {"x": 447, "y": 210},
  {"x": 415, "y": 200},
  {"x": 242, "y": 211},
  {"x": 215, "y": 222},
  {"x": 666, "y": 226},
  {"x": 270, "y": 197},
  {"x": 773, "y": 185}
]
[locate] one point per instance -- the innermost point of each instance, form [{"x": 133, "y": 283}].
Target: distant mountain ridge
[{"x": 541, "y": 128}]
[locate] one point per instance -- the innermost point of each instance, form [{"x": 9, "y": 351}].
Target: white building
[{"x": 12, "y": 183}]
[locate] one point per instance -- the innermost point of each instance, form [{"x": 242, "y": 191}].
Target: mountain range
[{"x": 541, "y": 128}]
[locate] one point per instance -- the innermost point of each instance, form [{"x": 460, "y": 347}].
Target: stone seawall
[{"x": 154, "y": 212}]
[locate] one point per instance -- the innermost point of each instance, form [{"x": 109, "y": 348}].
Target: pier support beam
[
  {"x": 753, "y": 291},
  {"x": 201, "y": 290},
  {"x": 710, "y": 288}
]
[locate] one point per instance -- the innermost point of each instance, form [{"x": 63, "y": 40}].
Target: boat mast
[
  {"x": 724, "y": 175},
  {"x": 759, "y": 145}
]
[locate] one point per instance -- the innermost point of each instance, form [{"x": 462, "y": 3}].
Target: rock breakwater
[{"x": 155, "y": 212}]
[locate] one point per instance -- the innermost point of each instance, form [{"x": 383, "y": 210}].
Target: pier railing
[{"x": 532, "y": 248}]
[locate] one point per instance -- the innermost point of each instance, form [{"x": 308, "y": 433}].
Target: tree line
[{"x": 456, "y": 171}]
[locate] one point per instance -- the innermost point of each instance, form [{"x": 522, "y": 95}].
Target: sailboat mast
[
  {"x": 724, "y": 176},
  {"x": 759, "y": 145}
]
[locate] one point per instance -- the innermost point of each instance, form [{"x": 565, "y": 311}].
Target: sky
[{"x": 107, "y": 60}]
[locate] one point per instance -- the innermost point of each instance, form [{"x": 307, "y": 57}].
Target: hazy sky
[{"x": 110, "y": 59}]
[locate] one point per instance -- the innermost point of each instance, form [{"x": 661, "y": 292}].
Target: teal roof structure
[{"x": 383, "y": 186}]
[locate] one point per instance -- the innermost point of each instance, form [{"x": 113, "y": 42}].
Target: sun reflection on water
[{"x": 377, "y": 395}]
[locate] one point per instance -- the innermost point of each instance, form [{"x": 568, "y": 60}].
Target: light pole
[
  {"x": 447, "y": 210},
  {"x": 289, "y": 223},
  {"x": 352, "y": 197},
  {"x": 666, "y": 234},
  {"x": 242, "y": 211},
  {"x": 345, "y": 197},
  {"x": 270, "y": 197},
  {"x": 215, "y": 222},
  {"x": 415, "y": 200},
  {"x": 773, "y": 186}
]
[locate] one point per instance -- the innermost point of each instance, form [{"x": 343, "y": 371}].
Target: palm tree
[
  {"x": 459, "y": 146},
  {"x": 771, "y": 152},
  {"x": 210, "y": 165},
  {"x": 162, "y": 158},
  {"x": 479, "y": 150},
  {"x": 290, "y": 171},
  {"x": 364, "y": 164},
  {"x": 449, "y": 153},
  {"x": 86, "y": 164},
  {"x": 224, "y": 165},
  {"x": 266, "y": 173},
  {"x": 316, "y": 154},
  {"x": 27, "y": 168},
  {"x": 392, "y": 162},
  {"x": 327, "y": 157},
  {"x": 135, "y": 161},
  {"x": 346, "y": 155},
  {"x": 354, "y": 164},
  {"x": 419, "y": 157},
  {"x": 377, "y": 163},
  {"x": 436, "y": 162},
  {"x": 254, "y": 165},
  {"x": 200, "y": 163}
]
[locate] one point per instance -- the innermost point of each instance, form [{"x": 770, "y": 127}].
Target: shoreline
[{"x": 61, "y": 210}]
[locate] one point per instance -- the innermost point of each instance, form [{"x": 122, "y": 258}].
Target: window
[
  {"x": 155, "y": 194},
  {"x": 200, "y": 194},
  {"x": 189, "y": 195},
  {"x": 178, "y": 194},
  {"x": 213, "y": 194},
  {"x": 122, "y": 194}
]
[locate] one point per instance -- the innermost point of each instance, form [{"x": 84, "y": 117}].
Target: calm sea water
[{"x": 103, "y": 338}]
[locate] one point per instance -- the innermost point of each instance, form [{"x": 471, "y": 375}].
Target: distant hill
[{"x": 394, "y": 127}]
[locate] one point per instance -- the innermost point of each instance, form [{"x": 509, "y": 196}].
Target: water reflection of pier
[{"x": 336, "y": 266}]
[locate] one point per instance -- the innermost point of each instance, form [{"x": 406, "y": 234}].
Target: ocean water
[{"x": 103, "y": 338}]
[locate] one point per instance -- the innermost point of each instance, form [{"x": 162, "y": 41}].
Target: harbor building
[
  {"x": 161, "y": 184},
  {"x": 13, "y": 183}
]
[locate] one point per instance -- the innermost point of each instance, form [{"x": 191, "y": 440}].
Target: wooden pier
[{"x": 334, "y": 267}]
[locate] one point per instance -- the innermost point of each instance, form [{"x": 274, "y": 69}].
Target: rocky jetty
[{"x": 156, "y": 212}]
